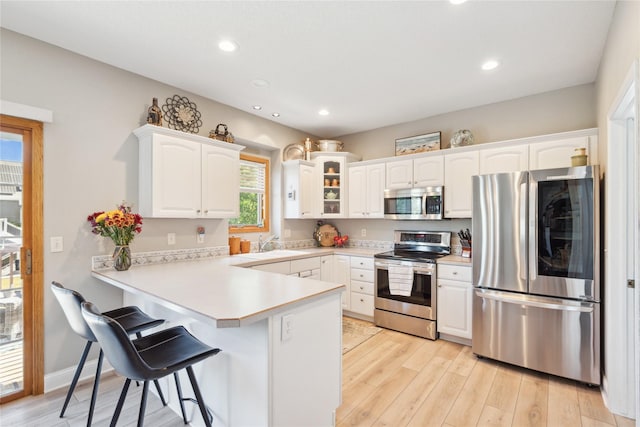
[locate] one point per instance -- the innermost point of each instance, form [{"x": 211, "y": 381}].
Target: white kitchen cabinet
[
  {"x": 326, "y": 268},
  {"x": 331, "y": 170},
  {"x": 504, "y": 159},
  {"x": 186, "y": 176},
  {"x": 299, "y": 184},
  {"x": 361, "y": 286},
  {"x": 458, "y": 192},
  {"x": 366, "y": 191},
  {"x": 281, "y": 267},
  {"x": 342, "y": 275},
  {"x": 455, "y": 293},
  {"x": 425, "y": 171},
  {"x": 558, "y": 153}
]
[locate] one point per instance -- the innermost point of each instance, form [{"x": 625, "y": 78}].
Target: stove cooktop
[
  {"x": 419, "y": 246},
  {"x": 413, "y": 256}
]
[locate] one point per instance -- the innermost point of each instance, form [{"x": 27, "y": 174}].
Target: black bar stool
[
  {"x": 132, "y": 319},
  {"x": 149, "y": 358}
]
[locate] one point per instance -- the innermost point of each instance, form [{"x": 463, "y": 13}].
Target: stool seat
[
  {"x": 148, "y": 358},
  {"x": 132, "y": 319}
]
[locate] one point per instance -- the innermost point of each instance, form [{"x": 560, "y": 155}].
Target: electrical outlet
[
  {"x": 363, "y": 232},
  {"x": 200, "y": 238},
  {"x": 56, "y": 244},
  {"x": 287, "y": 327},
  {"x": 171, "y": 238},
  {"x": 287, "y": 233}
]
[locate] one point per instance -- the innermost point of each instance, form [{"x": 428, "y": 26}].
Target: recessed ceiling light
[
  {"x": 457, "y": 1},
  {"x": 257, "y": 107},
  {"x": 228, "y": 46},
  {"x": 275, "y": 114},
  {"x": 490, "y": 65},
  {"x": 260, "y": 83},
  {"x": 323, "y": 112}
]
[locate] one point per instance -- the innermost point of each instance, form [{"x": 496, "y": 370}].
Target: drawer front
[
  {"x": 305, "y": 264},
  {"x": 361, "y": 275},
  {"x": 361, "y": 303},
  {"x": 283, "y": 267},
  {"x": 454, "y": 272},
  {"x": 362, "y": 287},
  {"x": 362, "y": 262}
]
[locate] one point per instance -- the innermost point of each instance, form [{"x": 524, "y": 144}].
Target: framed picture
[{"x": 418, "y": 144}]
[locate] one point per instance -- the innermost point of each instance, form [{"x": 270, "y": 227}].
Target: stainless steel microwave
[{"x": 414, "y": 203}]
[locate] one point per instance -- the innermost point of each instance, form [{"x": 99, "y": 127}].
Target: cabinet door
[
  {"x": 332, "y": 181},
  {"x": 374, "y": 190},
  {"x": 307, "y": 194},
  {"x": 175, "y": 178},
  {"x": 342, "y": 275},
  {"x": 326, "y": 268},
  {"x": 458, "y": 170},
  {"x": 220, "y": 182},
  {"x": 507, "y": 159},
  {"x": 357, "y": 191},
  {"x": 428, "y": 171},
  {"x": 399, "y": 174},
  {"x": 454, "y": 308},
  {"x": 557, "y": 154}
]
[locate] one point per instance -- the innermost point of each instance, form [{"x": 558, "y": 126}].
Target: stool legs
[
  {"x": 162, "y": 399},
  {"x": 123, "y": 394},
  {"x": 196, "y": 391},
  {"x": 72, "y": 387},
  {"x": 96, "y": 384},
  {"x": 180, "y": 398}
]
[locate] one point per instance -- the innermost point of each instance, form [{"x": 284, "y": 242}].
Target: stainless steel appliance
[
  {"x": 414, "y": 203},
  {"x": 535, "y": 248},
  {"x": 405, "y": 282}
]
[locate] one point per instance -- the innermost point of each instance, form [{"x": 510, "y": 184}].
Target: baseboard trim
[{"x": 63, "y": 377}]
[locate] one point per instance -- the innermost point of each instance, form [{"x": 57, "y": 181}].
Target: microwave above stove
[{"x": 414, "y": 203}]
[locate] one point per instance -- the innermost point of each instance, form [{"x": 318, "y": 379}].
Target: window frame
[{"x": 266, "y": 206}]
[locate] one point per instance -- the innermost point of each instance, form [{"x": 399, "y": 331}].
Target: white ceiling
[{"x": 371, "y": 64}]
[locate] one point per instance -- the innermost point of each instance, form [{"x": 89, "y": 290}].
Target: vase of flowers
[{"x": 121, "y": 225}]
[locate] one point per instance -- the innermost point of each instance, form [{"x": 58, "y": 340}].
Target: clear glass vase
[{"x": 122, "y": 258}]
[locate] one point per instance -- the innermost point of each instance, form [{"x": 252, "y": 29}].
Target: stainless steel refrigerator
[{"x": 536, "y": 296}]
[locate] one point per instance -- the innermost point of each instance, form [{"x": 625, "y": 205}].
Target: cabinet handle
[
  {"x": 439, "y": 286},
  {"x": 198, "y": 211},
  {"x": 455, "y": 273},
  {"x": 409, "y": 182},
  {"x": 361, "y": 300},
  {"x": 207, "y": 211},
  {"x": 361, "y": 288}
]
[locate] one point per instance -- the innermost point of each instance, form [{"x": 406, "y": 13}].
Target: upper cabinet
[
  {"x": 459, "y": 167},
  {"x": 184, "y": 175},
  {"x": 419, "y": 172},
  {"x": 366, "y": 191},
  {"x": 299, "y": 185},
  {"x": 331, "y": 170},
  {"x": 504, "y": 159},
  {"x": 558, "y": 153}
]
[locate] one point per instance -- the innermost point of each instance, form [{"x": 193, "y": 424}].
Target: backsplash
[{"x": 105, "y": 262}]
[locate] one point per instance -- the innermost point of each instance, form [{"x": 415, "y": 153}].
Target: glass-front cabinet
[{"x": 332, "y": 173}]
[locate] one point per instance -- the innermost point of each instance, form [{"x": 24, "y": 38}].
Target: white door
[
  {"x": 428, "y": 171},
  {"x": 399, "y": 174},
  {"x": 557, "y": 154},
  {"x": 357, "y": 191},
  {"x": 220, "y": 182},
  {"x": 375, "y": 190},
  {"x": 504, "y": 159},
  {"x": 307, "y": 191},
  {"x": 458, "y": 194}
]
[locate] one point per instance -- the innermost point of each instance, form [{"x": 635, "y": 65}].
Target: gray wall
[{"x": 91, "y": 159}]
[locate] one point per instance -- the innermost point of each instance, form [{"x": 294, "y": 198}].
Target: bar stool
[
  {"x": 149, "y": 358},
  {"x": 132, "y": 319}
]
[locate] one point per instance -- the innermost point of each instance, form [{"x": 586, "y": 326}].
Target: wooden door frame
[{"x": 33, "y": 231}]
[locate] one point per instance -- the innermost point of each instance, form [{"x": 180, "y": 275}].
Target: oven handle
[{"x": 418, "y": 270}]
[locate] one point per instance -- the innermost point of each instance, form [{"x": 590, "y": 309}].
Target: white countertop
[
  {"x": 455, "y": 259},
  {"x": 218, "y": 291}
]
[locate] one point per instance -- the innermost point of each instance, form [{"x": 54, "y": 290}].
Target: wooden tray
[{"x": 325, "y": 234}]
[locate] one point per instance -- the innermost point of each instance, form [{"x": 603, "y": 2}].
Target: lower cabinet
[
  {"x": 455, "y": 292},
  {"x": 361, "y": 286},
  {"x": 342, "y": 275}
]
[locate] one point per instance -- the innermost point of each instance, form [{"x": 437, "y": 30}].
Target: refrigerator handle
[
  {"x": 533, "y": 238},
  {"x": 523, "y": 232},
  {"x": 501, "y": 297}
]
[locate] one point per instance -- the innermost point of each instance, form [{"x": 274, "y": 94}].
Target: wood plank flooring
[{"x": 389, "y": 379}]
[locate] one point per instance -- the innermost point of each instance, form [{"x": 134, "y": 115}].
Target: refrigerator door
[
  {"x": 563, "y": 236},
  {"x": 499, "y": 244},
  {"x": 559, "y": 337}
]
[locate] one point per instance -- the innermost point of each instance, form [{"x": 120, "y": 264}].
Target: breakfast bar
[{"x": 280, "y": 338}]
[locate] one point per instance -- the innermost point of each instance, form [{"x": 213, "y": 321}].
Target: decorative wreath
[{"x": 182, "y": 114}]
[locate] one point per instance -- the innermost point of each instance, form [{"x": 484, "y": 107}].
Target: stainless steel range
[{"x": 405, "y": 282}]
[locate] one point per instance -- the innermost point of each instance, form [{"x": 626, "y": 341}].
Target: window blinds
[{"x": 252, "y": 177}]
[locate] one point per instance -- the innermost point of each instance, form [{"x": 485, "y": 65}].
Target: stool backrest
[
  {"x": 70, "y": 302},
  {"x": 116, "y": 344}
]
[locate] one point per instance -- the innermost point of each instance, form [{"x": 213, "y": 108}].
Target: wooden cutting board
[{"x": 325, "y": 235}]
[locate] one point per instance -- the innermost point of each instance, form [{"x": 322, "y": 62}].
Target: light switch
[
  {"x": 287, "y": 327},
  {"x": 171, "y": 238},
  {"x": 56, "y": 244}
]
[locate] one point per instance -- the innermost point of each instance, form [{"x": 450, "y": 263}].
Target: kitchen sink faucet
[{"x": 262, "y": 245}]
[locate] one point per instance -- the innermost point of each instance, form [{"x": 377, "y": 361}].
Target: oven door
[{"x": 422, "y": 300}]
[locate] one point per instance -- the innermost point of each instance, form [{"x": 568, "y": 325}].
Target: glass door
[
  {"x": 565, "y": 237},
  {"x": 11, "y": 284},
  {"x": 332, "y": 193}
]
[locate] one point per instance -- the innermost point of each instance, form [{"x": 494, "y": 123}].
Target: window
[{"x": 254, "y": 196}]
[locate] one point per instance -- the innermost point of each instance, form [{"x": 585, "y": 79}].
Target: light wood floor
[{"x": 389, "y": 379}]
